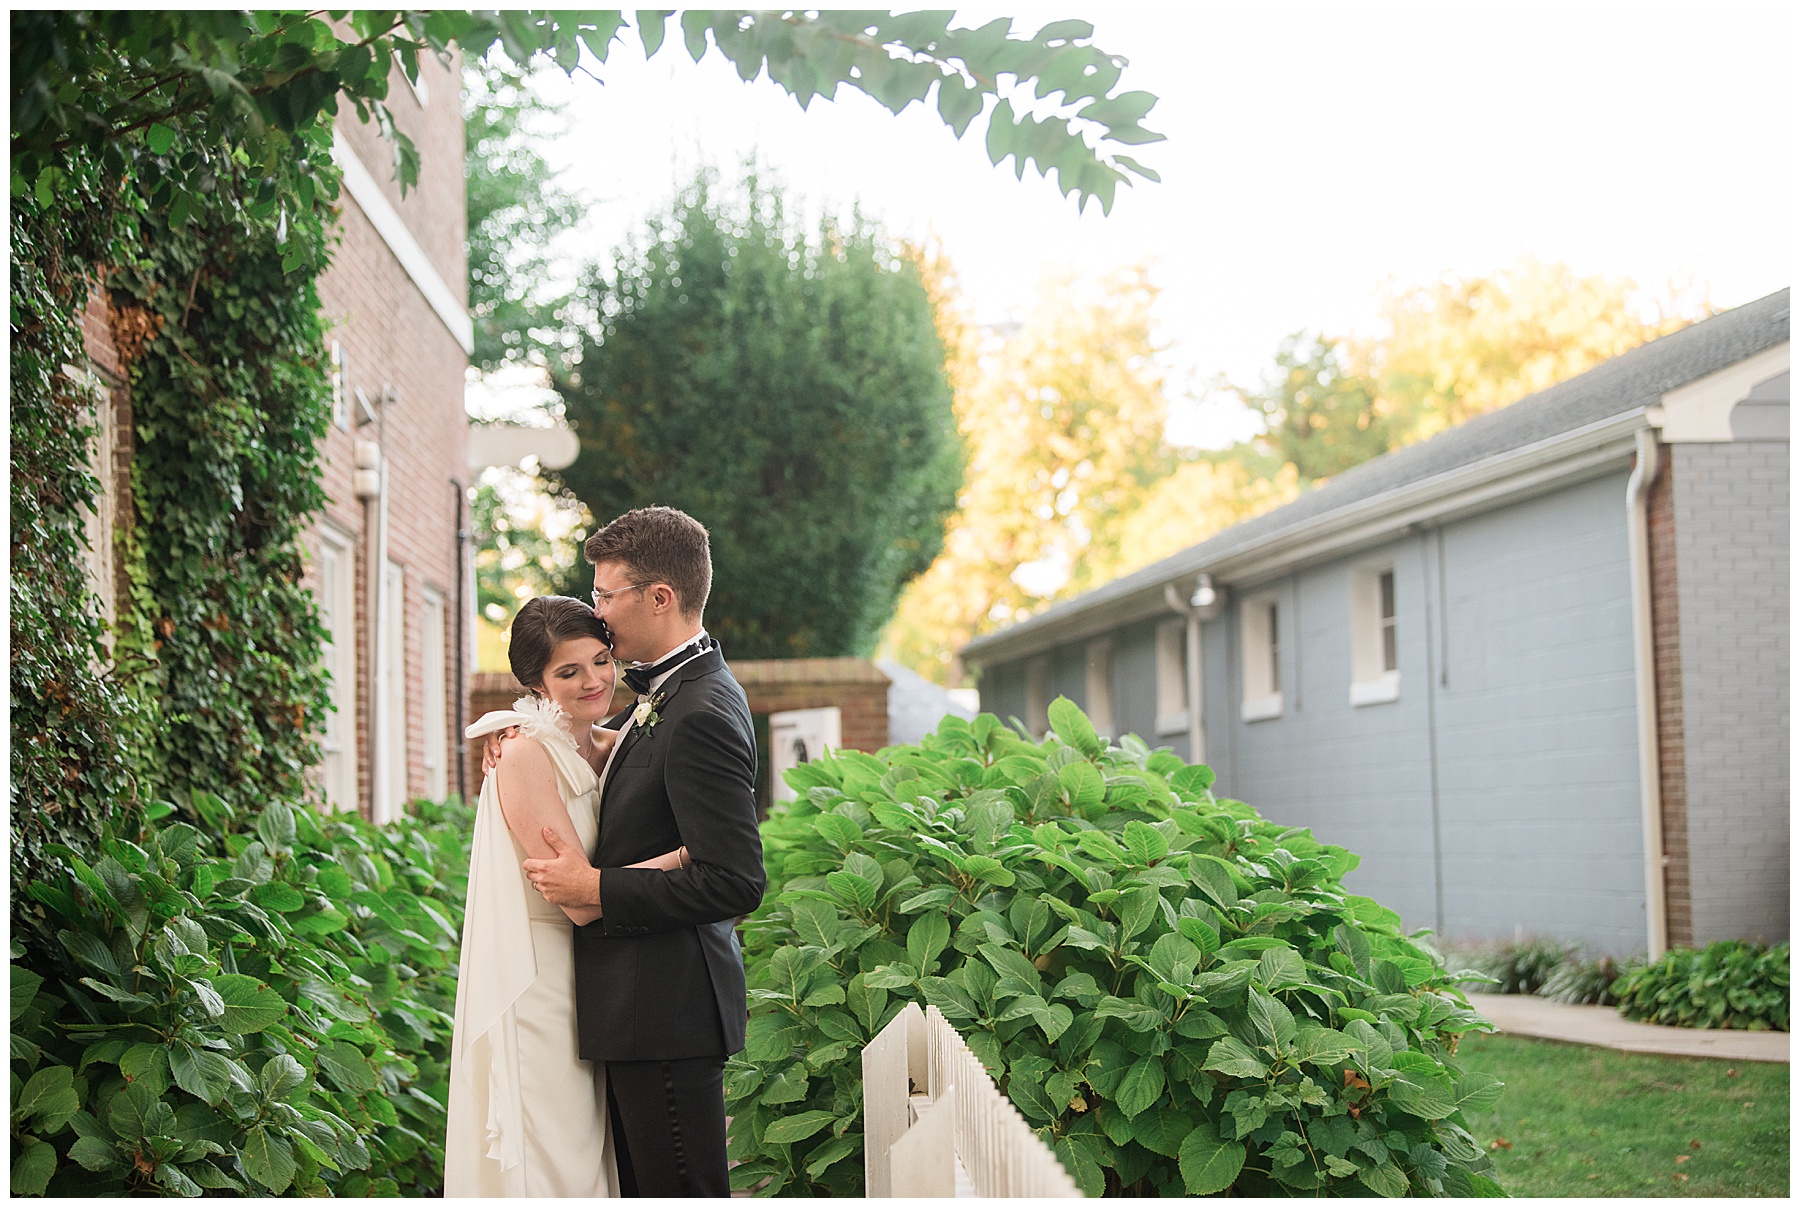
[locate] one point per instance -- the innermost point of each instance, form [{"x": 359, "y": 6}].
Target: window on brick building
[
  {"x": 433, "y": 678},
  {"x": 337, "y": 615},
  {"x": 391, "y": 799}
]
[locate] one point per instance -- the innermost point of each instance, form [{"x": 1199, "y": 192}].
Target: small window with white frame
[
  {"x": 1259, "y": 622},
  {"x": 336, "y": 596},
  {"x": 1099, "y": 685},
  {"x": 1037, "y": 695},
  {"x": 1374, "y": 638},
  {"x": 1171, "y": 678},
  {"x": 433, "y": 677},
  {"x": 340, "y": 387}
]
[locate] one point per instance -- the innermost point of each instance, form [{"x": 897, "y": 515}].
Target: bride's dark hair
[{"x": 538, "y": 627}]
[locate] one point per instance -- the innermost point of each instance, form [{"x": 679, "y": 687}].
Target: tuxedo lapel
[{"x": 695, "y": 667}]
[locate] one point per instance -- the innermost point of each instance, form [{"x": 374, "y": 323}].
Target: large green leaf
[
  {"x": 32, "y": 1167},
  {"x": 789, "y": 1129},
  {"x": 268, "y": 1158},
  {"x": 1208, "y": 1164},
  {"x": 1072, "y": 726},
  {"x": 347, "y": 1065},
  {"x": 250, "y": 1006},
  {"x": 1141, "y": 1086}
]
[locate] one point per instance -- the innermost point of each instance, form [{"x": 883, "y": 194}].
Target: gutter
[
  {"x": 1475, "y": 487},
  {"x": 1637, "y": 520}
]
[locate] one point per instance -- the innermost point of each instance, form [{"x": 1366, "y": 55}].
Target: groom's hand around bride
[{"x": 567, "y": 879}]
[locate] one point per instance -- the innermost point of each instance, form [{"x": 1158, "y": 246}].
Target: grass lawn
[{"x": 1578, "y": 1121}]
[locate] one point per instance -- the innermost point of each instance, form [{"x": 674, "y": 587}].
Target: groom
[{"x": 659, "y": 980}]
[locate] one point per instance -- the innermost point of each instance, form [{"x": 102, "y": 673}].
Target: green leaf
[
  {"x": 1072, "y": 726},
  {"x": 274, "y": 895},
  {"x": 789, "y": 1129},
  {"x": 1141, "y": 1086},
  {"x": 1163, "y": 1131},
  {"x": 25, "y": 985},
  {"x": 32, "y": 1168},
  {"x": 787, "y": 1087},
  {"x": 346, "y": 1065},
  {"x": 928, "y": 936},
  {"x": 268, "y": 1158},
  {"x": 250, "y": 1006},
  {"x": 49, "y": 1092},
  {"x": 1146, "y": 844},
  {"x": 852, "y": 890},
  {"x": 1231, "y": 1056},
  {"x": 202, "y": 1073},
  {"x": 1083, "y": 787},
  {"x": 832, "y": 1151},
  {"x": 839, "y": 831},
  {"x": 1384, "y": 1180},
  {"x": 1208, "y": 1164},
  {"x": 1477, "y": 1091},
  {"x": 280, "y": 1076},
  {"x": 94, "y": 1154}
]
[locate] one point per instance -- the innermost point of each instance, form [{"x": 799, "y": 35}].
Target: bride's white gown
[{"x": 527, "y": 1116}]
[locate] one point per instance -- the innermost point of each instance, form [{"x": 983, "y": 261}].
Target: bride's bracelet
[{"x": 681, "y": 857}]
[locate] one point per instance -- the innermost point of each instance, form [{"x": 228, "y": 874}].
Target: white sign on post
[{"x": 800, "y": 736}]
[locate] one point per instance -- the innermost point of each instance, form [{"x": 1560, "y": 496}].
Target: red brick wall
[
  {"x": 856, "y": 686},
  {"x": 393, "y": 340},
  {"x": 1665, "y": 625}
]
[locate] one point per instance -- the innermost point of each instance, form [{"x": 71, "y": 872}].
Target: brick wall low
[
  {"x": 1665, "y": 625},
  {"x": 856, "y": 686}
]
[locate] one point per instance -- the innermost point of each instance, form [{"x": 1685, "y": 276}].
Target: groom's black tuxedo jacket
[{"x": 659, "y": 976}]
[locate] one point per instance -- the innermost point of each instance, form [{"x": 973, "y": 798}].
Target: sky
[{"x": 1315, "y": 152}]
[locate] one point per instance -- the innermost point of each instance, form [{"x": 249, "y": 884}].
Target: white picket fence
[{"x": 934, "y": 1123}]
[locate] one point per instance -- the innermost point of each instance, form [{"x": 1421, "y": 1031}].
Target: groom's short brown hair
[{"x": 660, "y": 545}]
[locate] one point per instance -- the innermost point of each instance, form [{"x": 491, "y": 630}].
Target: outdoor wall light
[{"x": 1204, "y": 595}]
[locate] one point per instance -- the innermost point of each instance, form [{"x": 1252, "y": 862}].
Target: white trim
[
  {"x": 1534, "y": 469},
  {"x": 1700, "y": 412},
  {"x": 393, "y": 231},
  {"x": 1378, "y": 691},
  {"x": 1262, "y": 708}
]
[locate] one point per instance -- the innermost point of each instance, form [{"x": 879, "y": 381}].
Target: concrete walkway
[{"x": 1529, "y": 1015}]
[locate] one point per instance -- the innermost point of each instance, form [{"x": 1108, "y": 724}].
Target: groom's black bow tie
[{"x": 638, "y": 678}]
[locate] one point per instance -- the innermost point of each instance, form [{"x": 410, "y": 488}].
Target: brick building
[
  {"x": 390, "y": 564},
  {"x": 1534, "y": 670}
]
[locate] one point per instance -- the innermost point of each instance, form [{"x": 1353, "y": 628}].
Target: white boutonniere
[{"x": 646, "y": 716}]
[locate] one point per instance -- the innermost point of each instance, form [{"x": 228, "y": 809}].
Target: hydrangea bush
[{"x": 1178, "y": 994}]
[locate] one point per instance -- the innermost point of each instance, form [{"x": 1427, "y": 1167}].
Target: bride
[{"x": 527, "y": 1116}]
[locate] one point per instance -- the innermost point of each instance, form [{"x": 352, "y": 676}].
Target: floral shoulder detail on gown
[{"x": 543, "y": 720}]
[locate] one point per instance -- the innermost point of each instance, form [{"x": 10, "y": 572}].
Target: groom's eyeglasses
[{"x": 601, "y": 597}]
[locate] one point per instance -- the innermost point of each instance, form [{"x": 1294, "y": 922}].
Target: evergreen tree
[{"x": 788, "y": 392}]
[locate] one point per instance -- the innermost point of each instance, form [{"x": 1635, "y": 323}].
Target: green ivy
[
  {"x": 70, "y": 719},
  {"x": 1177, "y": 994},
  {"x": 267, "y": 1013},
  {"x": 230, "y": 403},
  {"x": 1727, "y": 984}
]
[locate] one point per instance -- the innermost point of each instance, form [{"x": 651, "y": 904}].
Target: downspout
[
  {"x": 367, "y": 484},
  {"x": 1191, "y": 609},
  {"x": 1637, "y": 520}
]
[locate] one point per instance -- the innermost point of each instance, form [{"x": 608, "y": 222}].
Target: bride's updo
[{"x": 540, "y": 626}]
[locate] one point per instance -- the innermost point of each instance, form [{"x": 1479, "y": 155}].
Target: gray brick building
[{"x": 1534, "y": 670}]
